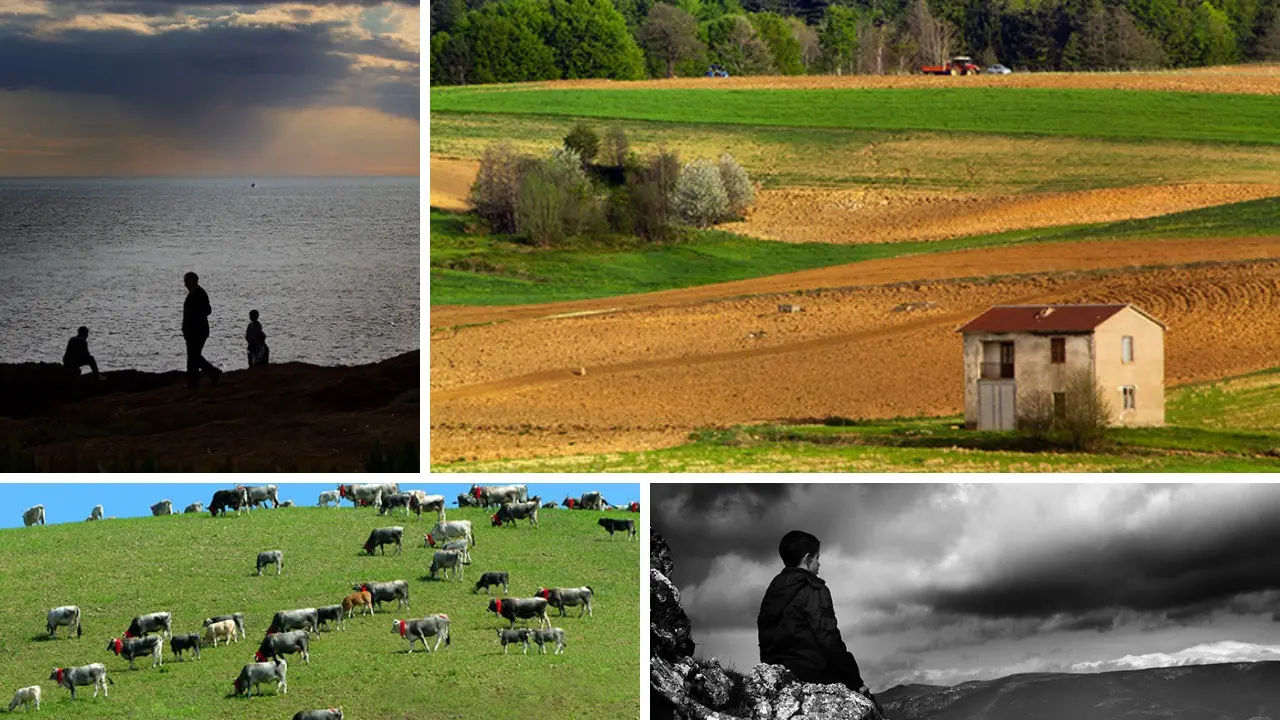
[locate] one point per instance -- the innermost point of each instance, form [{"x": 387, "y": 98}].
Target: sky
[
  {"x": 186, "y": 88},
  {"x": 72, "y": 502},
  {"x": 942, "y": 584}
]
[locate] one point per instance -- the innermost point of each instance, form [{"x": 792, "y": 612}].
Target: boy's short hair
[
  {"x": 82, "y": 330},
  {"x": 253, "y": 314},
  {"x": 795, "y": 545}
]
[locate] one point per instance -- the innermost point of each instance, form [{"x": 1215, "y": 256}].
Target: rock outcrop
[{"x": 689, "y": 688}]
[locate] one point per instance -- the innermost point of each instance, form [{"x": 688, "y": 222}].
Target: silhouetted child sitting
[
  {"x": 77, "y": 354},
  {"x": 797, "y": 622},
  {"x": 258, "y": 351}
]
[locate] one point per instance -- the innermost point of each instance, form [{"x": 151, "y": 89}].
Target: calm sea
[{"x": 332, "y": 265}]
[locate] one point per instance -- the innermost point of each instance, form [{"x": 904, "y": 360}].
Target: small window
[
  {"x": 1130, "y": 394},
  {"x": 1126, "y": 349},
  {"x": 1059, "y": 405},
  {"x": 1057, "y": 350}
]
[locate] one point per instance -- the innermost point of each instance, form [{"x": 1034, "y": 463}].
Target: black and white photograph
[{"x": 964, "y": 601}]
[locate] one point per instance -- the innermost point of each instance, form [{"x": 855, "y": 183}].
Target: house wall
[
  {"x": 1145, "y": 373},
  {"x": 1032, "y": 370}
]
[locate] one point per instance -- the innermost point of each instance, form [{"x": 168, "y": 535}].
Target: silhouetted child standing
[
  {"x": 797, "y": 621},
  {"x": 258, "y": 351}
]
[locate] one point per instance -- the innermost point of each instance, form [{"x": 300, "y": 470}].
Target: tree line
[{"x": 495, "y": 41}]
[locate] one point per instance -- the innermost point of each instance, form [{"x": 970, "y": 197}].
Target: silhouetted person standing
[
  {"x": 195, "y": 330},
  {"x": 259, "y": 353},
  {"x": 77, "y": 354}
]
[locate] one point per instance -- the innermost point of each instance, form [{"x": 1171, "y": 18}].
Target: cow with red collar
[
  {"x": 131, "y": 648},
  {"x": 572, "y": 597},
  {"x": 423, "y": 628},
  {"x": 508, "y": 513},
  {"x": 633, "y": 507},
  {"x": 522, "y": 608},
  {"x": 73, "y": 677},
  {"x": 590, "y": 500},
  {"x": 489, "y": 495},
  {"x": 153, "y": 622},
  {"x": 445, "y": 531}
]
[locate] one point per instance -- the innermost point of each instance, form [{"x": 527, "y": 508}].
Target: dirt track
[
  {"x": 1250, "y": 79},
  {"x": 653, "y": 375}
]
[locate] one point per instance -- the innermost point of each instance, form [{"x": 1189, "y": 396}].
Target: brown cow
[{"x": 363, "y": 598}]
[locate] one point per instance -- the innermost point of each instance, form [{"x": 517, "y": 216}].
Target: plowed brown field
[
  {"x": 652, "y": 375},
  {"x": 1251, "y": 79},
  {"x": 450, "y": 183}
]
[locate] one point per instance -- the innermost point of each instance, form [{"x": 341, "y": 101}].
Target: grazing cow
[
  {"x": 328, "y": 496},
  {"x": 512, "y": 608},
  {"x": 131, "y": 648},
  {"x": 268, "y": 557},
  {"x": 238, "y": 618},
  {"x": 95, "y": 513},
  {"x": 330, "y": 614},
  {"x": 490, "y": 495},
  {"x": 257, "y": 673},
  {"x": 260, "y": 494},
  {"x": 328, "y": 714},
  {"x": 612, "y": 525},
  {"x": 633, "y": 507},
  {"x": 591, "y": 500},
  {"x": 304, "y": 619},
  {"x": 225, "y": 629},
  {"x": 73, "y": 677},
  {"x": 33, "y": 515},
  {"x": 144, "y": 624},
  {"x": 287, "y": 503},
  {"x": 68, "y": 615},
  {"x": 447, "y": 530},
  {"x": 391, "y": 501},
  {"x": 423, "y": 628},
  {"x": 549, "y": 505},
  {"x": 195, "y": 507},
  {"x": 507, "y": 637},
  {"x": 448, "y": 560},
  {"x": 179, "y": 643},
  {"x": 276, "y": 645},
  {"x": 25, "y": 696},
  {"x": 397, "y": 590},
  {"x": 550, "y": 635},
  {"x": 423, "y": 502},
  {"x": 461, "y": 546},
  {"x": 367, "y": 494},
  {"x": 236, "y": 499},
  {"x": 164, "y": 507},
  {"x": 467, "y": 500},
  {"x": 572, "y": 597},
  {"x": 491, "y": 578},
  {"x": 381, "y": 537},
  {"x": 362, "y": 599},
  {"x": 510, "y": 512}
]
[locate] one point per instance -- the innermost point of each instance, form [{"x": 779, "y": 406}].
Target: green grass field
[
  {"x": 196, "y": 566},
  {"x": 1129, "y": 115},
  {"x": 1227, "y": 426},
  {"x": 515, "y": 273}
]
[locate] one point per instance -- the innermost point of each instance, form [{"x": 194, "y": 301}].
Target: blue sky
[{"x": 72, "y": 502}]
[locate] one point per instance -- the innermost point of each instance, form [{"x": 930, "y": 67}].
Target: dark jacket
[
  {"x": 797, "y": 626},
  {"x": 195, "y": 313},
  {"x": 77, "y": 351},
  {"x": 254, "y": 335}
]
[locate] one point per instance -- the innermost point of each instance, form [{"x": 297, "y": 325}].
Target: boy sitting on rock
[{"x": 797, "y": 621}]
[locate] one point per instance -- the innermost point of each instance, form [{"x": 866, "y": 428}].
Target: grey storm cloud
[{"x": 167, "y": 7}]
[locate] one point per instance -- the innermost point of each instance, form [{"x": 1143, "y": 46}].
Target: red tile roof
[{"x": 1045, "y": 318}]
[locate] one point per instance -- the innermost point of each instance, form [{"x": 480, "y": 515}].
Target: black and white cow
[
  {"x": 237, "y": 618},
  {"x": 423, "y": 628},
  {"x": 467, "y": 500},
  {"x": 33, "y": 515},
  {"x": 381, "y": 537},
  {"x": 95, "y": 513},
  {"x": 260, "y": 494},
  {"x": 153, "y": 622},
  {"x": 181, "y": 643},
  {"x": 286, "y": 503},
  {"x": 613, "y": 526},
  {"x": 164, "y": 507},
  {"x": 491, "y": 578},
  {"x": 508, "y": 637},
  {"x": 328, "y": 496},
  {"x": 490, "y": 495},
  {"x": 510, "y": 512},
  {"x": 571, "y": 597},
  {"x": 522, "y": 608},
  {"x": 303, "y": 619},
  {"x": 68, "y": 615},
  {"x": 327, "y": 714},
  {"x": 195, "y": 507},
  {"x": 397, "y": 590},
  {"x": 331, "y": 614},
  {"x": 448, "y": 560},
  {"x": 549, "y": 505},
  {"x": 448, "y": 530},
  {"x": 130, "y": 648},
  {"x": 392, "y": 501},
  {"x": 549, "y": 635},
  {"x": 236, "y": 498},
  {"x": 74, "y": 677},
  {"x": 257, "y": 673},
  {"x": 269, "y": 557},
  {"x": 276, "y": 645}
]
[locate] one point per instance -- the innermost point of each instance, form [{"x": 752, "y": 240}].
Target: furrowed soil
[{"x": 886, "y": 350}]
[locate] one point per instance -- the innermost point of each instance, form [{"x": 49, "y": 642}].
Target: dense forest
[{"x": 493, "y": 41}]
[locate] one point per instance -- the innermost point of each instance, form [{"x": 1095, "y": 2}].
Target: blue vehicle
[{"x": 717, "y": 71}]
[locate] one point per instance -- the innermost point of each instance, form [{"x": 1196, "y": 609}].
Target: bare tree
[{"x": 935, "y": 38}]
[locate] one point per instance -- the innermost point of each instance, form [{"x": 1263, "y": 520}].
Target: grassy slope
[
  {"x": 520, "y": 275},
  {"x": 197, "y": 566},
  {"x": 1134, "y": 115},
  {"x": 1226, "y": 426}
]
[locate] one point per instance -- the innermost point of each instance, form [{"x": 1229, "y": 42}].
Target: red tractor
[{"x": 958, "y": 65}]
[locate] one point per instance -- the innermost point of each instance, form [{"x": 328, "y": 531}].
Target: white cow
[
  {"x": 328, "y": 496},
  {"x": 33, "y": 515},
  {"x": 164, "y": 507},
  {"x": 96, "y": 514},
  {"x": 448, "y": 530}
]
